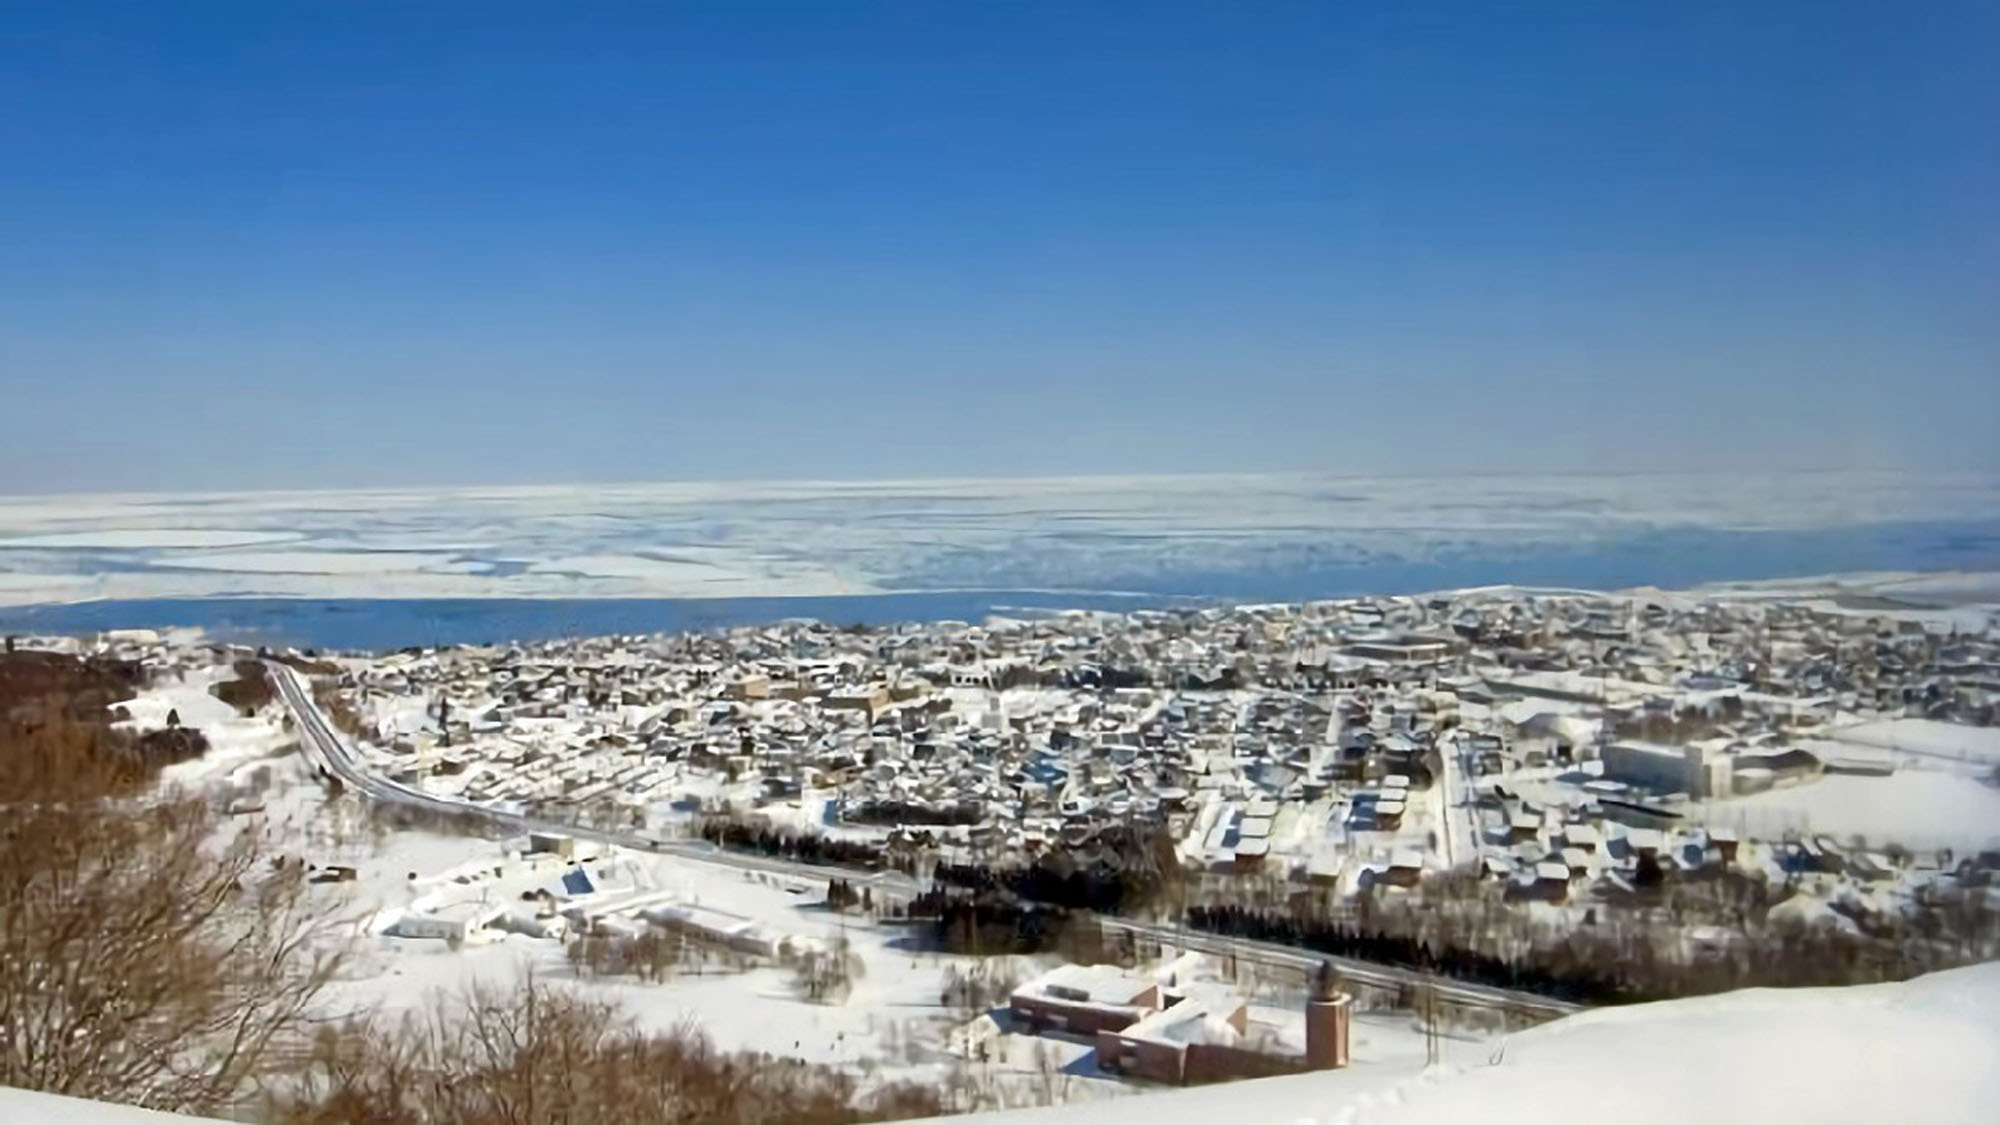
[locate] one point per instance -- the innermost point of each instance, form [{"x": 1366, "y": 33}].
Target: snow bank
[{"x": 33, "y": 1106}]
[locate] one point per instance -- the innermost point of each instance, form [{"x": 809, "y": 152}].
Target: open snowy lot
[
  {"x": 1912, "y": 739},
  {"x": 892, "y": 1024},
  {"x": 234, "y": 740},
  {"x": 1919, "y": 1051},
  {"x": 1917, "y": 808}
]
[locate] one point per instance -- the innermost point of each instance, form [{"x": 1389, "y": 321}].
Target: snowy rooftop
[{"x": 1096, "y": 984}]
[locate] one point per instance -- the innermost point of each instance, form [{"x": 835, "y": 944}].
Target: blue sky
[{"x": 296, "y": 244}]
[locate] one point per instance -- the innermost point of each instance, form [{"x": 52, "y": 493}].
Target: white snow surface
[
  {"x": 1918, "y": 808},
  {"x": 824, "y": 538},
  {"x": 1927, "y": 738},
  {"x": 1917, "y": 1052},
  {"x": 32, "y": 1107},
  {"x": 327, "y": 562},
  {"x": 1921, "y": 1051},
  {"x": 233, "y": 740},
  {"x": 127, "y": 538}
]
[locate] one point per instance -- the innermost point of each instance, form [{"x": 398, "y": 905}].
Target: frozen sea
[{"x": 387, "y": 568}]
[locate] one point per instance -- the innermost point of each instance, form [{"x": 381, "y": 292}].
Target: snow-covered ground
[
  {"x": 1916, "y": 1048},
  {"x": 1918, "y": 808},
  {"x": 234, "y": 740},
  {"x": 1908, "y": 739},
  {"x": 1918, "y": 1052},
  {"x": 893, "y": 1024},
  {"x": 31, "y": 1107}
]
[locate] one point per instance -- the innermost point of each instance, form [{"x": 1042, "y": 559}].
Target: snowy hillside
[
  {"x": 28, "y": 1107},
  {"x": 1921, "y": 1051},
  {"x": 1916, "y": 1052}
]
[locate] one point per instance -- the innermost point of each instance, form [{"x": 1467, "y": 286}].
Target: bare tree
[
  {"x": 145, "y": 959},
  {"x": 542, "y": 1054},
  {"x": 977, "y": 990},
  {"x": 827, "y": 976},
  {"x": 148, "y": 953}
]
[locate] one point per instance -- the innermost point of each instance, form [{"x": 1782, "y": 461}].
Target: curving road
[{"x": 327, "y": 749}]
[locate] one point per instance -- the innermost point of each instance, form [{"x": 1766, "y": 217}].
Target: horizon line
[{"x": 1031, "y": 478}]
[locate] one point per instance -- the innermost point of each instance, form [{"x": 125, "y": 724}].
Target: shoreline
[{"x": 382, "y": 624}]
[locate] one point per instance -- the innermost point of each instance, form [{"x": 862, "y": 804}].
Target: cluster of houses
[
  {"x": 551, "y": 885},
  {"x": 1549, "y": 739}
]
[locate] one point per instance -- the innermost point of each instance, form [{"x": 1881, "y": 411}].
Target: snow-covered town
[
  {"x": 1019, "y": 563},
  {"x": 548, "y": 809},
  {"x": 1551, "y": 740}
]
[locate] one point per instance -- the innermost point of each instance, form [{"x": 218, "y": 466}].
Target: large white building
[{"x": 1698, "y": 771}]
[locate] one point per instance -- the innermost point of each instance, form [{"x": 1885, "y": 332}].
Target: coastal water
[
  {"x": 1669, "y": 559},
  {"x": 388, "y": 623}
]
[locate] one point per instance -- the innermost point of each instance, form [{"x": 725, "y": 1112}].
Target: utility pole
[{"x": 1427, "y": 1001}]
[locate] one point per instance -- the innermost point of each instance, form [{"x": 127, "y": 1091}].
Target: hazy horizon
[{"x": 1105, "y": 477}]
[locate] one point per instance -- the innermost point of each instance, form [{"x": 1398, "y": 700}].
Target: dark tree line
[
  {"x": 1625, "y": 959},
  {"x": 157, "y": 749},
  {"x": 738, "y": 835},
  {"x": 1121, "y": 871},
  {"x": 1453, "y": 931},
  {"x": 990, "y": 922},
  {"x": 1051, "y": 881},
  {"x": 841, "y": 894},
  {"x": 56, "y": 715},
  {"x": 1579, "y": 984},
  {"x": 905, "y": 812}
]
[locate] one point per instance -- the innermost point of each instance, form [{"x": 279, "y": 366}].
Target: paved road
[
  {"x": 327, "y": 749},
  {"x": 1460, "y": 827},
  {"x": 1362, "y": 972}
]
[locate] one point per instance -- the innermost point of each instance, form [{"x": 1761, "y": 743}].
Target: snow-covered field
[
  {"x": 233, "y": 740},
  {"x": 1913, "y": 739},
  {"x": 1160, "y": 534},
  {"x": 1919, "y": 1052},
  {"x": 892, "y": 1024},
  {"x": 1919, "y": 808}
]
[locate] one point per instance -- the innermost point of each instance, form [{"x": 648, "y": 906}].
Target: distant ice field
[{"x": 739, "y": 551}]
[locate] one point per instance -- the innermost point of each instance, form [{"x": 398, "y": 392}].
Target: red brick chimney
[{"x": 1328, "y": 1011}]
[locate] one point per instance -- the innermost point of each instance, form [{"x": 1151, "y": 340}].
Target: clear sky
[{"x": 287, "y": 244}]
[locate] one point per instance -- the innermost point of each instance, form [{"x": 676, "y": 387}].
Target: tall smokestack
[{"x": 1328, "y": 1011}]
